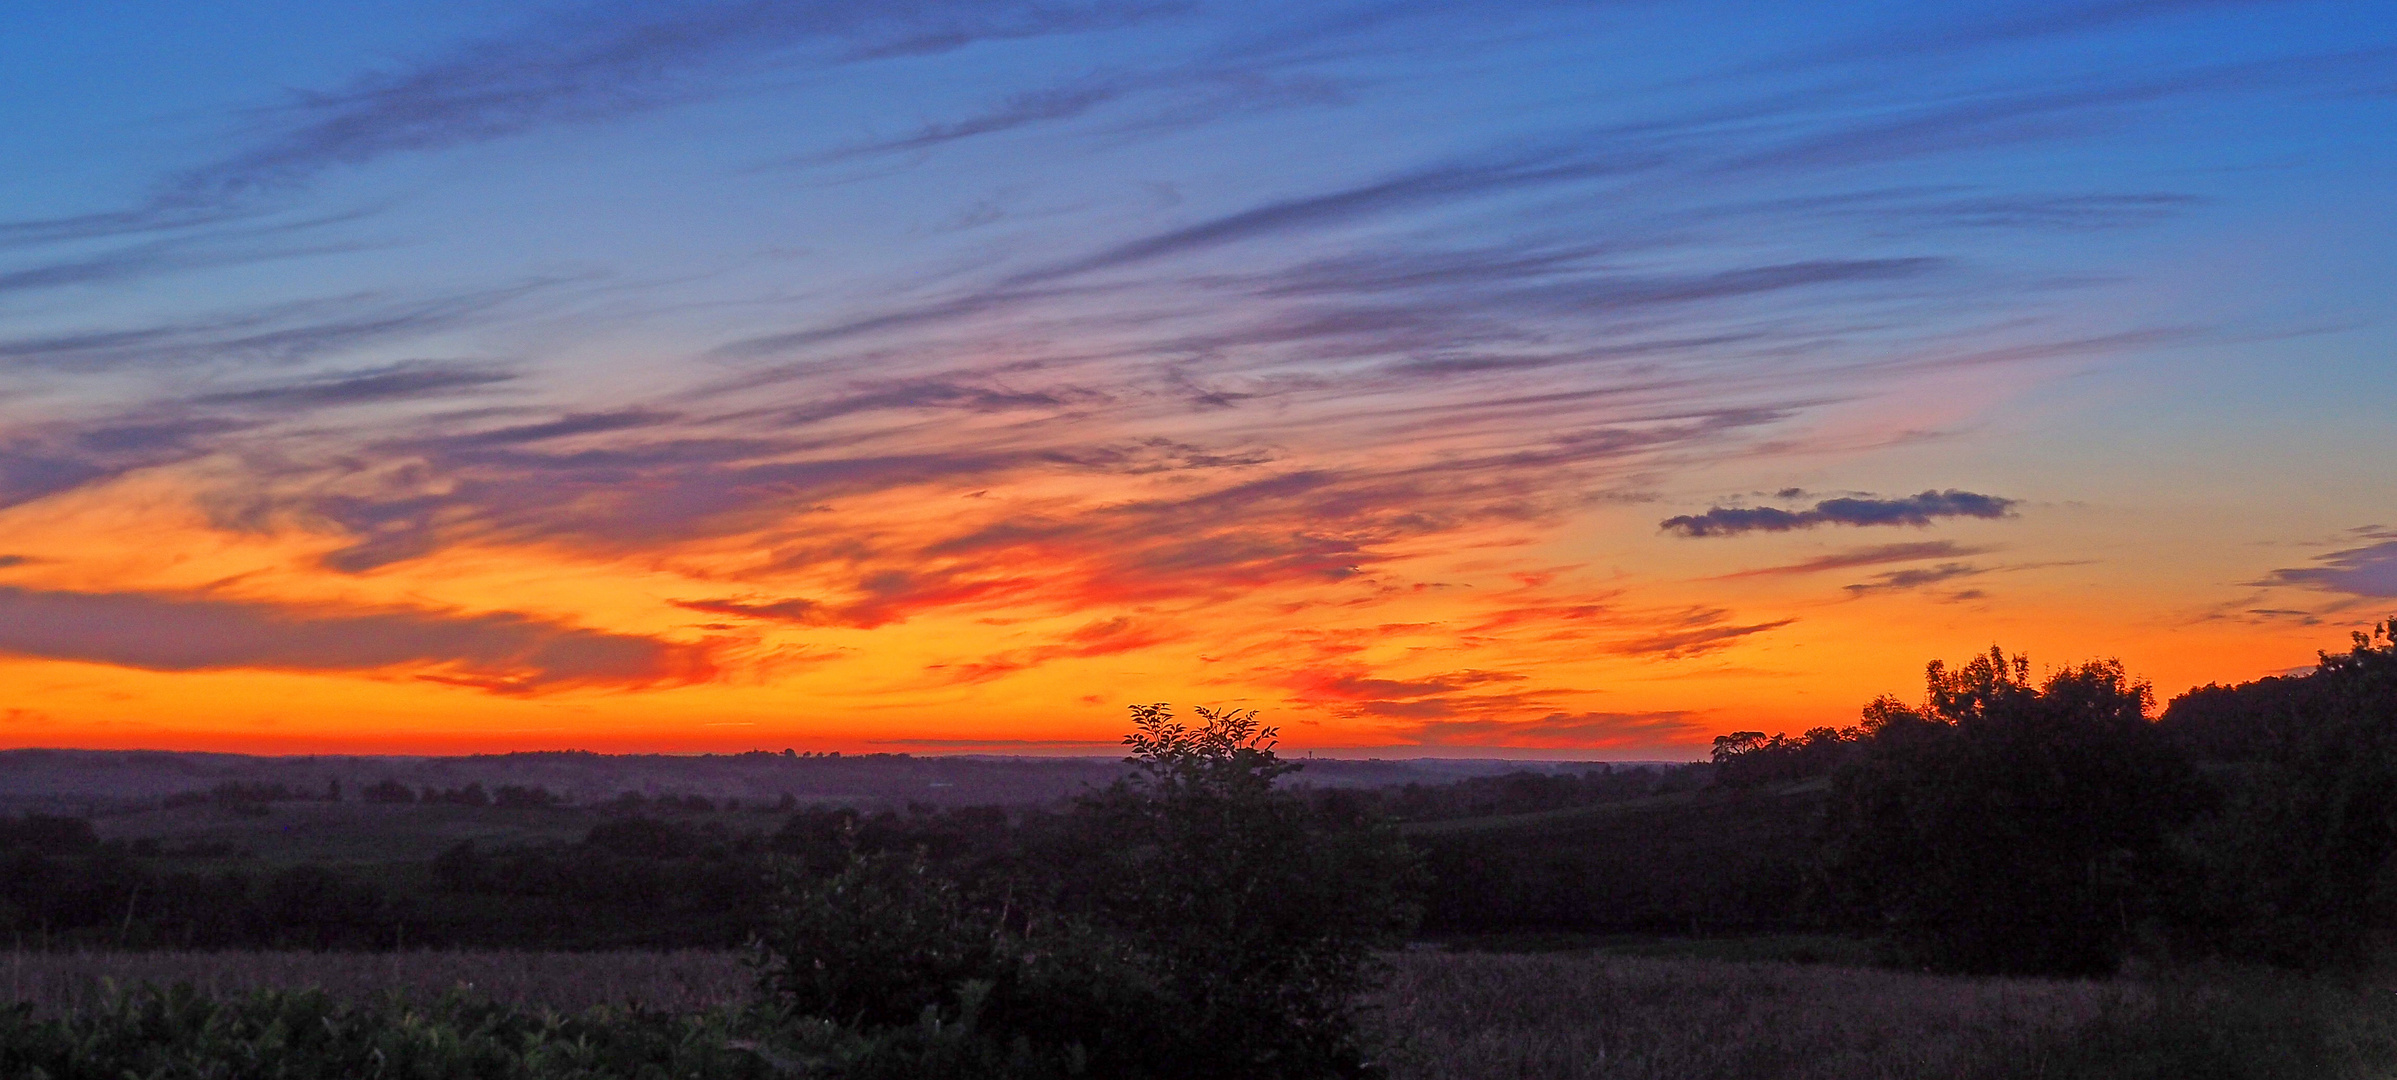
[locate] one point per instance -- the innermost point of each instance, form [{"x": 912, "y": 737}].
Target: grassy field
[
  {"x": 1546, "y": 1016},
  {"x": 1564, "y": 1017}
]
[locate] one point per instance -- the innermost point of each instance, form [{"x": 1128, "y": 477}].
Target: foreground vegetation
[{"x": 1450, "y": 1015}]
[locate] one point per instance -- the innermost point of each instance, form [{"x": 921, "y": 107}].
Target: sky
[{"x": 1505, "y": 378}]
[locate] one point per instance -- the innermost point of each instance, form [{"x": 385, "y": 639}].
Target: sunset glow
[{"x": 1525, "y": 379}]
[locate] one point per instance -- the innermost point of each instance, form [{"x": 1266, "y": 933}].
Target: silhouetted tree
[
  {"x": 2303, "y": 860},
  {"x": 2007, "y": 826},
  {"x": 387, "y": 791},
  {"x": 1260, "y": 915},
  {"x": 1198, "y": 922}
]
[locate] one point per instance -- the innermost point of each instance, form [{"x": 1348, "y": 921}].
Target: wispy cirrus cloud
[
  {"x": 1700, "y": 632},
  {"x": 595, "y": 63},
  {"x": 43, "y": 460},
  {"x": 1906, "y": 580},
  {"x": 1876, "y": 555},
  {"x": 1355, "y": 691},
  {"x": 1100, "y": 637},
  {"x": 1946, "y": 32},
  {"x": 398, "y": 382},
  {"x": 501, "y": 652},
  {"x": 1598, "y": 730},
  {"x": 285, "y": 334}
]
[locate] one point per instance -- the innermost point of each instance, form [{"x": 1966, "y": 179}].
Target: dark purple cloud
[
  {"x": 40, "y": 461},
  {"x": 1917, "y": 510},
  {"x": 2369, "y": 572},
  {"x": 504, "y": 652}
]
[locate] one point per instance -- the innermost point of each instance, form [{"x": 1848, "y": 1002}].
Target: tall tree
[{"x": 2006, "y": 825}]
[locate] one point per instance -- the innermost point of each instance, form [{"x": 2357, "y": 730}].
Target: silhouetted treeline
[
  {"x": 2299, "y": 863},
  {"x": 390, "y": 791},
  {"x": 2004, "y": 823},
  {"x": 60, "y": 885},
  {"x": 1523, "y": 792},
  {"x": 1707, "y": 863},
  {"x": 2013, "y": 824},
  {"x": 235, "y": 793},
  {"x": 1746, "y": 759}
]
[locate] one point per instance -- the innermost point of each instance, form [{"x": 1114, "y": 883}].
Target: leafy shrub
[
  {"x": 1257, "y": 912},
  {"x": 1199, "y": 923}
]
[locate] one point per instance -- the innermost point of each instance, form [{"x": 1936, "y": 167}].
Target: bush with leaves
[
  {"x": 2007, "y": 826},
  {"x": 1257, "y": 912},
  {"x": 1196, "y": 921}
]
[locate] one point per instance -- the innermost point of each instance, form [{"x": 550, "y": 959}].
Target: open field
[
  {"x": 1553, "y": 1016},
  {"x": 1569, "y": 1017}
]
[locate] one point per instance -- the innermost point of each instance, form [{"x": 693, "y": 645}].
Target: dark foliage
[
  {"x": 1705, "y": 863},
  {"x": 237, "y": 795},
  {"x": 1196, "y": 922},
  {"x": 61, "y": 885},
  {"x": 632, "y": 881},
  {"x": 2252, "y": 722},
  {"x": 180, "y": 1035},
  {"x": 523, "y": 797},
  {"x": 1523, "y": 792},
  {"x": 470, "y": 795},
  {"x": 2302, "y": 861},
  {"x": 2010, "y": 827},
  {"x": 387, "y": 791},
  {"x": 1256, "y": 912},
  {"x": 1747, "y": 759}
]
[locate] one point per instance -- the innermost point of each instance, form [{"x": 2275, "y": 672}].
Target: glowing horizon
[{"x": 1519, "y": 379}]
